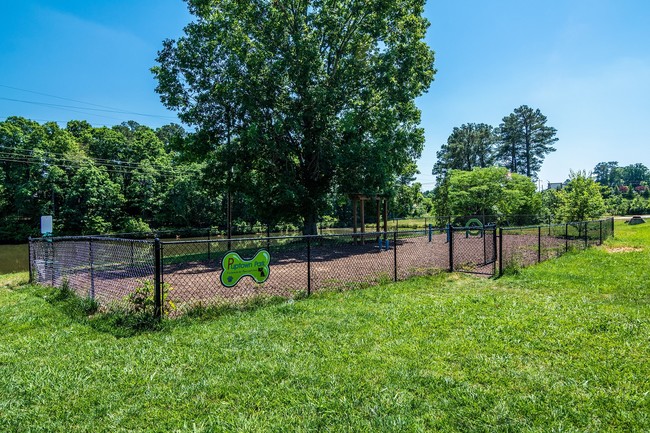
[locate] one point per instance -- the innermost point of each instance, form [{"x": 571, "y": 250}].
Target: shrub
[
  {"x": 141, "y": 300},
  {"x": 135, "y": 225}
]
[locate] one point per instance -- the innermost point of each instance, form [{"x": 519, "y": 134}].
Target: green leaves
[
  {"x": 525, "y": 140},
  {"x": 471, "y": 145},
  {"x": 487, "y": 191},
  {"x": 294, "y": 96},
  {"x": 580, "y": 200},
  {"x": 97, "y": 180}
]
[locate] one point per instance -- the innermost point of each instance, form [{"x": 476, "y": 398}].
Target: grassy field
[{"x": 559, "y": 347}]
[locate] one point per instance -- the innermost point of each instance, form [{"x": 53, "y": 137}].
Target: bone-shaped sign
[{"x": 235, "y": 268}]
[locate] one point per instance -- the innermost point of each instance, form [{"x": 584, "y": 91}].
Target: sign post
[{"x": 46, "y": 225}]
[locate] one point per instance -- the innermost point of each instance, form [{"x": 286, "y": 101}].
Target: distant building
[{"x": 555, "y": 185}]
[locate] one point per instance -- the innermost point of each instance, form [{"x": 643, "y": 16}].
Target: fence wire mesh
[
  {"x": 473, "y": 250},
  {"x": 524, "y": 246},
  {"x": 421, "y": 252},
  {"x": 104, "y": 269},
  {"x": 190, "y": 271}
]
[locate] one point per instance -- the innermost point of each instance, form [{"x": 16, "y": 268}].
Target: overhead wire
[
  {"x": 75, "y": 108},
  {"x": 57, "y": 97},
  {"x": 60, "y": 122},
  {"x": 101, "y": 108},
  {"x": 55, "y": 159}
]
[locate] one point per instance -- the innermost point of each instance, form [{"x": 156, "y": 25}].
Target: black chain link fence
[
  {"x": 190, "y": 273},
  {"x": 524, "y": 246},
  {"x": 473, "y": 250},
  {"x": 104, "y": 269}
]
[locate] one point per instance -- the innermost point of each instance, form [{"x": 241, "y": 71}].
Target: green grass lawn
[{"x": 559, "y": 347}]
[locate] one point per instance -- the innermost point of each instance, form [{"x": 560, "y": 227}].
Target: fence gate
[{"x": 473, "y": 250}]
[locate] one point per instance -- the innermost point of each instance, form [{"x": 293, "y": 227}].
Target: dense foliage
[
  {"x": 468, "y": 146},
  {"x": 580, "y": 199},
  {"x": 625, "y": 189},
  {"x": 525, "y": 140},
  {"x": 132, "y": 178},
  {"x": 492, "y": 192},
  {"x": 98, "y": 180}
]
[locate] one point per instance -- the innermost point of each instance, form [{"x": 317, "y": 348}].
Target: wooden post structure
[
  {"x": 385, "y": 216},
  {"x": 363, "y": 220},
  {"x": 356, "y": 198},
  {"x": 354, "y": 219},
  {"x": 378, "y": 202}
]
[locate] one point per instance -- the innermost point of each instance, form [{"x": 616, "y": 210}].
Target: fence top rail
[
  {"x": 90, "y": 238},
  {"x": 112, "y": 238},
  {"x": 529, "y": 227},
  {"x": 301, "y": 237},
  {"x": 461, "y": 228},
  {"x": 572, "y": 223}
]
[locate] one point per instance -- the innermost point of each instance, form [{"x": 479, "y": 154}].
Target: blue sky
[{"x": 584, "y": 64}]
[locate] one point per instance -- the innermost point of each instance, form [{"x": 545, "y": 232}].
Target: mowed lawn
[{"x": 560, "y": 347}]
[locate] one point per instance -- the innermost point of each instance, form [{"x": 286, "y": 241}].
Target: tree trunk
[{"x": 311, "y": 224}]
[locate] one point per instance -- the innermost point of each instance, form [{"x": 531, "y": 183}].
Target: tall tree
[
  {"x": 470, "y": 145},
  {"x": 281, "y": 91},
  {"x": 633, "y": 174},
  {"x": 525, "y": 140},
  {"x": 607, "y": 173}
]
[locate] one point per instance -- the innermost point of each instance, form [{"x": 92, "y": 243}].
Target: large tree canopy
[
  {"x": 489, "y": 191},
  {"x": 299, "y": 99},
  {"x": 470, "y": 145},
  {"x": 525, "y": 140}
]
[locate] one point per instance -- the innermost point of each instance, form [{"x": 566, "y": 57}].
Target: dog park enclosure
[{"x": 187, "y": 272}]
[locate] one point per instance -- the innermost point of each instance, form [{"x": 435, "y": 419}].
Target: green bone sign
[{"x": 235, "y": 268}]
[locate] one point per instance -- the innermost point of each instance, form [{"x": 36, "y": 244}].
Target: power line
[
  {"x": 57, "y": 97},
  {"x": 30, "y": 153},
  {"x": 77, "y": 164},
  {"x": 63, "y": 122},
  {"x": 104, "y": 107},
  {"x": 60, "y": 160},
  {"x": 73, "y": 108}
]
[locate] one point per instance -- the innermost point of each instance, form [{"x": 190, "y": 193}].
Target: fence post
[
  {"x": 132, "y": 253},
  {"x": 612, "y": 226},
  {"x": 601, "y": 232},
  {"x": 484, "y": 245},
  {"x": 586, "y": 234},
  {"x": 430, "y": 231},
  {"x": 566, "y": 237},
  {"x": 29, "y": 253},
  {"x": 395, "y": 254},
  {"x": 450, "y": 234},
  {"x": 500, "y": 251},
  {"x": 53, "y": 261},
  {"x": 209, "y": 230},
  {"x": 157, "y": 298},
  {"x": 91, "y": 293},
  {"x": 539, "y": 244},
  {"x": 308, "y": 266},
  {"x": 494, "y": 250}
]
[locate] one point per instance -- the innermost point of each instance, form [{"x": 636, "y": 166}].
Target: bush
[
  {"x": 135, "y": 225},
  {"x": 141, "y": 300}
]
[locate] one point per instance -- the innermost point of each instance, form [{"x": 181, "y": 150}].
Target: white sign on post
[{"x": 46, "y": 224}]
